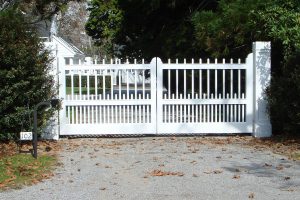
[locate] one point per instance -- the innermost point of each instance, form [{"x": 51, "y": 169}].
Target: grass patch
[{"x": 22, "y": 169}]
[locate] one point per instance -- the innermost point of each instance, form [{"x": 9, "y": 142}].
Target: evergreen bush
[{"x": 24, "y": 74}]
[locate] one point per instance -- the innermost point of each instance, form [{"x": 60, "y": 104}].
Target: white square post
[
  {"x": 51, "y": 130},
  {"x": 262, "y": 76}
]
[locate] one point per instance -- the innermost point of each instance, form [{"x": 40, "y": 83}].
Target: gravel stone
[{"x": 122, "y": 168}]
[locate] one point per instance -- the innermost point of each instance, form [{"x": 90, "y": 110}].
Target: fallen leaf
[
  {"x": 268, "y": 165},
  {"x": 236, "y": 176},
  {"x": 288, "y": 190},
  {"x": 279, "y": 167},
  {"x": 237, "y": 170},
  {"x": 34, "y": 181},
  {"x": 251, "y": 195},
  {"x": 48, "y": 148},
  {"x": 218, "y": 171},
  {"x": 158, "y": 172}
]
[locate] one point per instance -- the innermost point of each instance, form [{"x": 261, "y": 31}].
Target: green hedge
[{"x": 24, "y": 67}]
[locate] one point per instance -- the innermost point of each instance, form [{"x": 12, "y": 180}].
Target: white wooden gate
[
  {"x": 200, "y": 97},
  {"x": 109, "y": 98},
  {"x": 213, "y": 97}
]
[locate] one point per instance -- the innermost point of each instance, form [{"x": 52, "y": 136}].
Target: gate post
[
  {"x": 154, "y": 93},
  {"x": 62, "y": 93},
  {"x": 51, "y": 130},
  {"x": 159, "y": 93},
  {"x": 262, "y": 76}
]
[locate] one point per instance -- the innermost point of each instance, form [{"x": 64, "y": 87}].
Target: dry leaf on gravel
[
  {"x": 268, "y": 165},
  {"x": 251, "y": 195},
  {"x": 236, "y": 176},
  {"x": 158, "y": 172},
  {"x": 217, "y": 171},
  {"x": 280, "y": 167},
  {"x": 288, "y": 190}
]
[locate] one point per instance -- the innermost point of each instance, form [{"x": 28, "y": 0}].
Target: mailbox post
[{"x": 52, "y": 103}]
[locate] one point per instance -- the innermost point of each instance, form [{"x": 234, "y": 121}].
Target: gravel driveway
[{"x": 166, "y": 168}]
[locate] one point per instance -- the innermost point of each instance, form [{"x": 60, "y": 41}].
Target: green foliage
[
  {"x": 24, "y": 68},
  {"x": 104, "y": 22},
  {"x": 281, "y": 21},
  {"x": 284, "y": 97},
  {"x": 145, "y": 29},
  {"x": 230, "y": 31}
]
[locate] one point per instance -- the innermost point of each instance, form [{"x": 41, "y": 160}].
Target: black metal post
[{"x": 34, "y": 142}]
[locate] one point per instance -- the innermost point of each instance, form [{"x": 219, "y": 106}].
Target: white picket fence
[{"x": 199, "y": 97}]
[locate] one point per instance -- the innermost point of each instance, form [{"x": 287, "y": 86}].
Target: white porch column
[{"x": 262, "y": 76}]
